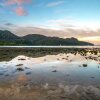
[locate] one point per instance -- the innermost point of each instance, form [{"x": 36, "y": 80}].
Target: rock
[
  {"x": 84, "y": 65},
  {"x": 19, "y": 65},
  {"x": 54, "y": 71},
  {"x": 6, "y": 74},
  {"x": 63, "y": 96},
  {"x": 28, "y": 73},
  {"x": 21, "y": 59},
  {"x": 63, "y": 58},
  {"x": 20, "y": 69},
  {"x": 27, "y": 68}
]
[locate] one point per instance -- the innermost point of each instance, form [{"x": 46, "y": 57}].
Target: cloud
[
  {"x": 80, "y": 34},
  {"x": 18, "y": 2},
  {"x": 66, "y": 23},
  {"x": 8, "y": 24},
  {"x": 21, "y": 11},
  {"x": 59, "y": 33},
  {"x": 17, "y": 6},
  {"x": 52, "y": 4}
]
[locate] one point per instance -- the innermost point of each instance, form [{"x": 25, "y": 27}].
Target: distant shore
[{"x": 50, "y": 46}]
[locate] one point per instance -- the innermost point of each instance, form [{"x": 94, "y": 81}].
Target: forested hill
[{"x": 8, "y": 38}]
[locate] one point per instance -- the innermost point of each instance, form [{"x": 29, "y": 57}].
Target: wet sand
[{"x": 61, "y": 76}]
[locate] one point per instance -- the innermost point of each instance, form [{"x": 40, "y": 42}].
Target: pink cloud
[
  {"x": 20, "y": 11},
  {"x": 18, "y": 2}
]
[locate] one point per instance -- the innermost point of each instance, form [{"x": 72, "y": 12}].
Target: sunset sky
[{"x": 61, "y": 18}]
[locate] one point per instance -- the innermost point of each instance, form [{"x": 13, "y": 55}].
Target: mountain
[
  {"x": 36, "y": 39},
  {"x": 8, "y": 38}
]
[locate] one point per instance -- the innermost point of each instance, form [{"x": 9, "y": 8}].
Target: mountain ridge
[{"x": 8, "y": 38}]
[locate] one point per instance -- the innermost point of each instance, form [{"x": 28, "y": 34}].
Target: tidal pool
[{"x": 57, "y": 75}]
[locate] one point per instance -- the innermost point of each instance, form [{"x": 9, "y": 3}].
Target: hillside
[{"x": 8, "y": 38}]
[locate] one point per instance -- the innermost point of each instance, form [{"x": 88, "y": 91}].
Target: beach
[{"x": 50, "y": 74}]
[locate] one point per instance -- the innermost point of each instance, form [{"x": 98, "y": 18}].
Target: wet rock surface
[{"x": 64, "y": 92}]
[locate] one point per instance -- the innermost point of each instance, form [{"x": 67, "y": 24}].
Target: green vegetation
[{"x": 8, "y": 38}]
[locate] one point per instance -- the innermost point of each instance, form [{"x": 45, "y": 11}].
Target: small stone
[
  {"x": 7, "y": 75},
  {"x": 84, "y": 65},
  {"x": 63, "y": 97},
  {"x": 54, "y": 71},
  {"x": 21, "y": 59},
  {"x": 27, "y": 68},
  {"x": 20, "y": 69},
  {"x": 28, "y": 73},
  {"x": 19, "y": 65}
]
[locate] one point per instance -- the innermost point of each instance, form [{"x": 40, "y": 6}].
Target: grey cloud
[{"x": 9, "y": 24}]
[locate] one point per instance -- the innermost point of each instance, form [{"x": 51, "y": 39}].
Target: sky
[{"x": 60, "y": 18}]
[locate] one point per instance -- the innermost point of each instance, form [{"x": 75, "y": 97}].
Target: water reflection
[
  {"x": 49, "y": 74},
  {"x": 67, "y": 68}
]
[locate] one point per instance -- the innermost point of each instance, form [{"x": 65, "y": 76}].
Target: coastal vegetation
[{"x": 8, "y": 38}]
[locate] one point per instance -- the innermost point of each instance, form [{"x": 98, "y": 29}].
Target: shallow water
[
  {"x": 54, "y": 73},
  {"x": 68, "y": 70}
]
